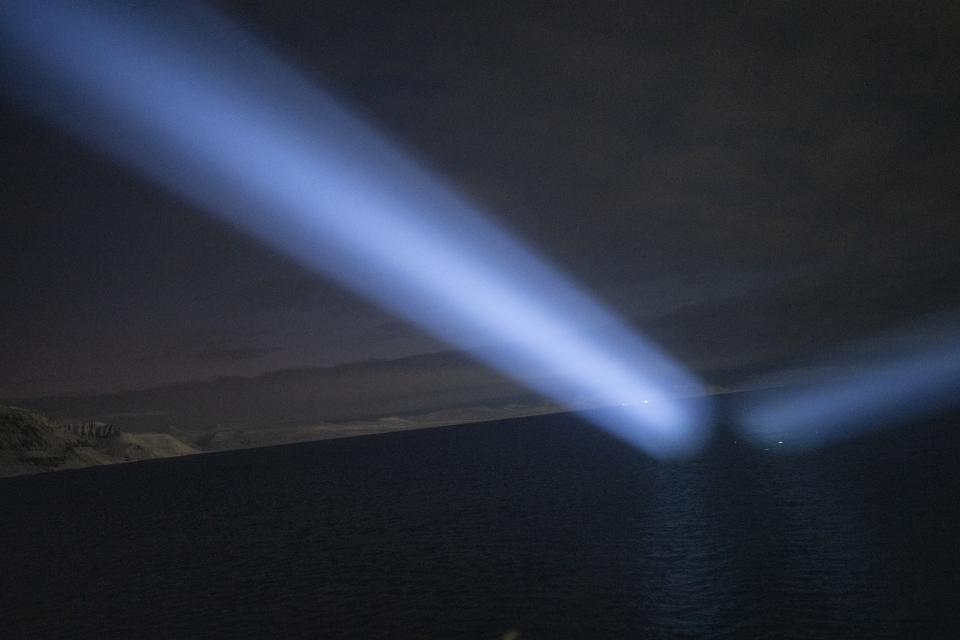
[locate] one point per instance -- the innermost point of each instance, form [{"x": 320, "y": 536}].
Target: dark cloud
[
  {"x": 301, "y": 292},
  {"x": 231, "y": 354},
  {"x": 355, "y": 391}
]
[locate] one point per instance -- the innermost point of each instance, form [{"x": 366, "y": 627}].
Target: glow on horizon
[{"x": 181, "y": 95}]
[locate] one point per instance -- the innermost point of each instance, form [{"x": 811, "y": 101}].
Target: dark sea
[{"x": 528, "y": 528}]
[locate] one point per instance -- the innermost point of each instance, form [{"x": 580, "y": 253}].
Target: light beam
[
  {"x": 877, "y": 383},
  {"x": 181, "y": 95}
]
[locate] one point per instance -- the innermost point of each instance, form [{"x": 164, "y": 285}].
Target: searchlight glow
[
  {"x": 879, "y": 383},
  {"x": 179, "y": 94}
]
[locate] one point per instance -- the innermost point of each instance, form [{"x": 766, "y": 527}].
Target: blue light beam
[
  {"x": 874, "y": 384},
  {"x": 187, "y": 99}
]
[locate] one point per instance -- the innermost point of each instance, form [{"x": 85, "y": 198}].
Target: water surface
[{"x": 541, "y": 525}]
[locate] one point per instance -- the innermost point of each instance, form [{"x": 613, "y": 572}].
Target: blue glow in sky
[
  {"x": 883, "y": 382},
  {"x": 192, "y": 102}
]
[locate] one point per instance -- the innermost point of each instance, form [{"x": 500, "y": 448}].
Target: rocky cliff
[{"x": 31, "y": 443}]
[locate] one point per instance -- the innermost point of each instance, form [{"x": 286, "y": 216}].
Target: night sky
[{"x": 748, "y": 184}]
